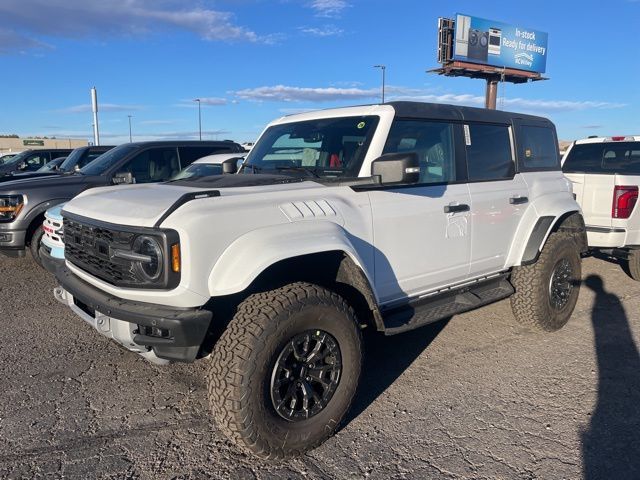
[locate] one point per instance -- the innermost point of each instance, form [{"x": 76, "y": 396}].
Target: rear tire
[
  {"x": 34, "y": 246},
  {"x": 633, "y": 264},
  {"x": 263, "y": 367},
  {"x": 547, "y": 291}
]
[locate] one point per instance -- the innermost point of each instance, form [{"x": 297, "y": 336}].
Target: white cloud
[
  {"x": 325, "y": 31},
  {"x": 213, "y": 101},
  {"x": 282, "y": 93},
  {"x": 329, "y": 8},
  {"x": 157, "y": 122},
  {"x": 12, "y": 42},
  {"x": 106, "y": 18},
  {"x": 102, "y": 107},
  {"x": 517, "y": 104}
]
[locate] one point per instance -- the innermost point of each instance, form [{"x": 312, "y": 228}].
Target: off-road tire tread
[
  {"x": 633, "y": 264},
  {"x": 528, "y": 281},
  {"x": 229, "y": 370},
  {"x": 34, "y": 245}
]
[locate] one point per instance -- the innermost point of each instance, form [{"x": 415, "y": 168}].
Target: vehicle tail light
[
  {"x": 624, "y": 199},
  {"x": 618, "y": 139}
]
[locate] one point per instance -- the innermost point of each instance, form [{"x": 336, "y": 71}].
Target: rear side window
[
  {"x": 489, "y": 154},
  {"x": 605, "y": 158},
  {"x": 537, "y": 149},
  {"x": 432, "y": 141}
]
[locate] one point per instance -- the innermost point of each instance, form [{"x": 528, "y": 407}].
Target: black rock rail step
[{"x": 427, "y": 310}]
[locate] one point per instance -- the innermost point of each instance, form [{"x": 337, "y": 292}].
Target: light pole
[
  {"x": 199, "y": 118},
  {"x": 130, "y": 137},
  {"x": 384, "y": 69}
]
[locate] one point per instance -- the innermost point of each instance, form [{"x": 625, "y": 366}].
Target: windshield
[
  {"x": 107, "y": 160},
  {"x": 51, "y": 166},
  {"x": 72, "y": 160},
  {"x": 198, "y": 170},
  {"x": 331, "y": 147},
  {"x": 5, "y": 158}
]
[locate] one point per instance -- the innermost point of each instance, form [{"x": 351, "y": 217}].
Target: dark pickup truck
[
  {"x": 23, "y": 202},
  {"x": 32, "y": 160},
  {"x": 77, "y": 159}
]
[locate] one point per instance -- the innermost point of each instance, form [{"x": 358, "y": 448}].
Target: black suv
[
  {"x": 77, "y": 159},
  {"x": 32, "y": 160},
  {"x": 23, "y": 202}
]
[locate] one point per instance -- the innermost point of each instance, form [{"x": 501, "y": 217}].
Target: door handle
[
  {"x": 463, "y": 207},
  {"x": 518, "y": 200}
]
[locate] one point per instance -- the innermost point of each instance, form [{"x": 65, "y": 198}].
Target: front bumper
[
  {"x": 12, "y": 242},
  {"x": 157, "y": 332}
]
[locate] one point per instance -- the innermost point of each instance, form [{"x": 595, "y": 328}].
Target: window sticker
[
  {"x": 467, "y": 135},
  {"x": 361, "y": 125}
]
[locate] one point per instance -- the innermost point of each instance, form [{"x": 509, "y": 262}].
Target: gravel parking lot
[{"x": 474, "y": 397}]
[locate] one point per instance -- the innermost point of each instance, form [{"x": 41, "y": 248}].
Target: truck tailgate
[{"x": 597, "y": 198}]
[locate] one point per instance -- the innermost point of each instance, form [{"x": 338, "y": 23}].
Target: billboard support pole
[{"x": 491, "y": 94}]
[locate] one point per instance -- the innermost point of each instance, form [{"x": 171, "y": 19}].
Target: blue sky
[{"x": 254, "y": 60}]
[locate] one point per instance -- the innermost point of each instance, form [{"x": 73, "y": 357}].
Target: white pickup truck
[{"x": 605, "y": 172}]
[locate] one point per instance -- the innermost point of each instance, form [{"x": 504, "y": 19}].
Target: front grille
[{"x": 90, "y": 248}]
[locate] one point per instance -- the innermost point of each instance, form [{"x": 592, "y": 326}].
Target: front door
[{"x": 421, "y": 232}]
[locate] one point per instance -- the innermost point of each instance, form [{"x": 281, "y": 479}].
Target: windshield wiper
[{"x": 309, "y": 171}]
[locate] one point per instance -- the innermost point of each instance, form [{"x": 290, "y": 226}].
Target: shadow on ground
[
  {"x": 611, "y": 444},
  {"x": 386, "y": 358}
]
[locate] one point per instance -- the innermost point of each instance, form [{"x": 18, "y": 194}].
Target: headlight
[
  {"x": 150, "y": 263},
  {"x": 10, "y": 206}
]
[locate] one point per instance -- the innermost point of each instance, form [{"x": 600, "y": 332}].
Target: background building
[{"x": 13, "y": 144}]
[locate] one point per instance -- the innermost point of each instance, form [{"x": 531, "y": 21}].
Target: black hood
[
  {"x": 25, "y": 175},
  {"x": 17, "y": 185}
]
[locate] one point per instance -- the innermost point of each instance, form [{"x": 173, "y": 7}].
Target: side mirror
[
  {"x": 397, "y": 168},
  {"x": 230, "y": 166},
  {"x": 123, "y": 178}
]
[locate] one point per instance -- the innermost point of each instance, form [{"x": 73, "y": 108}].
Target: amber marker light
[{"x": 175, "y": 257}]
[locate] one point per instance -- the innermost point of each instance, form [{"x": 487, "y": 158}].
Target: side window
[
  {"x": 432, "y": 141},
  {"x": 188, "y": 155},
  {"x": 537, "y": 148},
  {"x": 59, "y": 154},
  {"x": 489, "y": 154},
  {"x": 153, "y": 165}
]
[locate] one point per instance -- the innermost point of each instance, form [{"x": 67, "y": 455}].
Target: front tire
[
  {"x": 34, "y": 246},
  {"x": 285, "y": 370},
  {"x": 547, "y": 291}
]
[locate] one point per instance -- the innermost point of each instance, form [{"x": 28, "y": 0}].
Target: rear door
[{"x": 499, "y": 196}]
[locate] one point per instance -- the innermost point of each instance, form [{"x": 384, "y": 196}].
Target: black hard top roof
[
  {"x": 439, "y": 111},
  {"x": 187, "y": 143}
]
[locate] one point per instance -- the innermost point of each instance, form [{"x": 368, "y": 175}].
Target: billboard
[{"x": 487, "y": 42}]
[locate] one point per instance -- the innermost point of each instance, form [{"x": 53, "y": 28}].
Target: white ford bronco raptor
[{"x": 387, "y": 216}]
